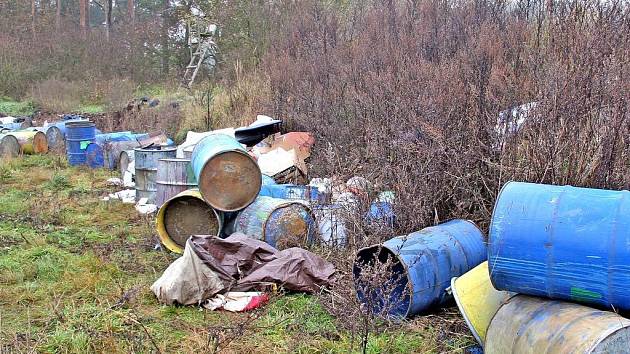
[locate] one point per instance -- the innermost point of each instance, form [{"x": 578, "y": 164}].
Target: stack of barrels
[{"x": 227, "y": 198}]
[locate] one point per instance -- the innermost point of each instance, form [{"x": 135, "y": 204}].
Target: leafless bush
[
  {"x": 58, "y": 95},
  {"x": 407, "y": 94}
]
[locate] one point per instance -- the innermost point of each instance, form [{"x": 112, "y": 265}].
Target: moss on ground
[{"x": 75, "y": 275}]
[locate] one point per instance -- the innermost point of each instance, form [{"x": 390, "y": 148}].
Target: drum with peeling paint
[
  {"x": 530, "y": 325},
  {"x": 421, "y": 266},
  {"x": 173, "y": 177},
  {"x": 146, "y": 162},
  {"x": 31, "y": 141},
  {"x": 562, "y": 242},
  {"x": 9, "y": 146},
  {"x": 229, "y": 178},
  {"x": 279, "y": 222}
]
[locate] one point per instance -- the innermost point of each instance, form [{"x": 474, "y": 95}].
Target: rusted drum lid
[
  {"x": 230, "y": 181},
  {"x": 186, "y": 216},
  {"x": 40, "y": 143},
  {"x": 291, "y": 225}
]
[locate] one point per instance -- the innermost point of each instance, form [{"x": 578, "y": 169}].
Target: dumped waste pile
[{"x": 550, "y": 277}]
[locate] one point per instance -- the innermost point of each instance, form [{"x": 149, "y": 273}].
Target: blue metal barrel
[
  {"x": 79, "y": 134},
  {"x": 267, "y": 180},
  {"x": 562, "y": 242},
  {"x": 229, "y": 179},
  {"x": 422, "y": 265},
  {"x": 105, "y": 152},
  {"x": 289, "y": 191},
  {"x": 10, "y": 127},
  {"x": 279, "y": 222}
]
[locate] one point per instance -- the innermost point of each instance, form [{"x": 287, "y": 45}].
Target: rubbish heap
[{"x": 557, "y": 271}]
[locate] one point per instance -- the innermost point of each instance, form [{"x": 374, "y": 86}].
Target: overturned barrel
[
  {"x": 9, "y": 146},
  {"x": 184, "y": 215},
  {"x": 79, "y": 134},
  {"x": 562, "y": 242},
  {"x": 107, "y": 154},
  {"x": 419, "y": 268},
  {"x": 529, "y": 325},
  {"x": 56, "y": 141},
  {"x": 289, "y": 191},
  {"x": 173, "y": 177},
  {"x": 281, "y": 223},
  {"x": 229, "y": 179},
  {"x": 478, "y": 301},
  {"x": 146, "y": 161},
  {"x": 31, "y": 141}
]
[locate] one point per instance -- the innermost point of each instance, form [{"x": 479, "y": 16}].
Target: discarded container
[
  {"x": 184, "y": 215},
  {"x": 331, "y": 224},
  {"x": 533, "y": 325},
  {"x": 31, "y": 142},
  {"x": 10, "y": 127},
  {"x": 423, "y": 264},
  {"x": 229, "y": 179},
  {"x": 267, "y": 180},
  {"x": 9, "y": 146},
  {"x": 289, "y": 191},
  {"x": 381, "y": 213},
  {"x": 562, "y": 242},
  {"x": 477, "y": 299},
  {"x": 146, "y": 161},
  {"x": 173, "y": 177},
  {"x": 126, "y": 157},
  {"x": 79, "y": 134},
  {"x": 281, "y": 223},
  {"x": 56, "y": 141},
  {"x": 107, "y": 154}
]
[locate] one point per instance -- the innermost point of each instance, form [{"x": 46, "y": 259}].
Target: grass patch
[
  {"x": 14, "y": 108},
  {"x": 75, "y": 274}
]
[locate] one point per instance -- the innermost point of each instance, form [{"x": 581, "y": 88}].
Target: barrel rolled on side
[
  {"x": 184, "y": 215},
  {"x": 530, "y": 325},
  {"x": 31, "y": 141},
  {"x": 279, "y": 222},
  {"x": 125, "y": 158},
  {"x": 173, "y": 177},
  {"x": 562, "y": 242},
  {"x": 229, "y": 179},
  {"x": 9, "y": 146},
  {"x": 421, "y": 266}
]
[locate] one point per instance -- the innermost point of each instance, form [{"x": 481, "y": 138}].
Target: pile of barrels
[
  {"x": 216, "y": 193},
  {"x": 557, "y": 271}
]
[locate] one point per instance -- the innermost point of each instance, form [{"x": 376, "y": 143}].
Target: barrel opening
[
  {"x": 230, "y": 180},
  {"x": 382, "y": 282},
  {"x": 186, "y": 216},
  {"x": 40, "y": 143}
]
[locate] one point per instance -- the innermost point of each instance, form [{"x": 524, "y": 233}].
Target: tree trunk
[
  {"x": 131, "y": 12},
  {"x": 83, "y": 16},
  {"x": 164, "y": 38},
  {"x": 58, "y": 16},
  {"x": 108, "y": 18},
  {"x": 33, "y": 18}
]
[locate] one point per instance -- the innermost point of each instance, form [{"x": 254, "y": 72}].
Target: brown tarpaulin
[{"x": 243, "y": 264}]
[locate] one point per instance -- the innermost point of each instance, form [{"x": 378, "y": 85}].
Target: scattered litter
[
  {"x": 144, "y": 207},
  {"x": 115, "y": 182},
  {"x": 127, "y": 196},
  {"x": 359, "y": 185},
  {"x": 237, "y": 301}
]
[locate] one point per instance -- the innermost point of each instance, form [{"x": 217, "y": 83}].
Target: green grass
[
  {"x": 67, "y": 258},
  {"x": 14, "y": 108},
  {"x": 90, "y": 108}
]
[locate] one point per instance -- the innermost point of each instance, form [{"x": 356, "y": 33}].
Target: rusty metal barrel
[
  {"x": 279, "y": 222},
  {"x": 31, "y": 141},
  {"x": 9, "y": 146},
  {"x": 184, "y": 215},
  {"x": 530, "y": 325},
  {"x": 146, "y": 170},
  {"x": 229, "y": 178},
  {"x": 173, "y": 177}
]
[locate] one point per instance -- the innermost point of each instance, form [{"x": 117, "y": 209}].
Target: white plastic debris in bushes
[
  {"x": 127, "y": 196},
  {"x": 237, "y": 301}
]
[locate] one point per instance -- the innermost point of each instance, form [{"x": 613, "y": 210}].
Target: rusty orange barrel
[
  {"x": 31, "y": 141},
  {"x": 9, "y": 146},
  {"x": 229, "y": 178},
  {"x": 531, "y": 325},
  {"x": 184, "y": 215}
]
